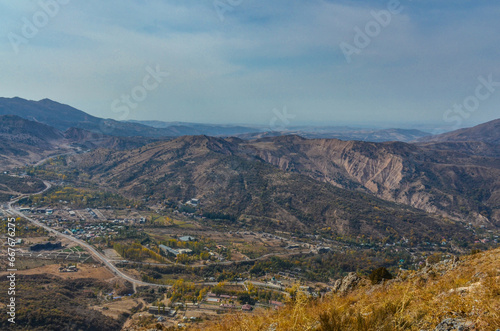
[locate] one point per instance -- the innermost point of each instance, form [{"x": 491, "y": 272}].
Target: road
[
  {"x": 98, "y": 256},
  {"x": 256, "y": 283},
  {"x": 224, "y": 263},
  {"x": 108, "y": 263}
]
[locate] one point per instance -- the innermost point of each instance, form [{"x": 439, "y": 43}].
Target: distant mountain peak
[{"x": 488, "y": 132}]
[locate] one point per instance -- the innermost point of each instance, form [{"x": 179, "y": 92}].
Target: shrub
[{"x": 378, "y": 275}]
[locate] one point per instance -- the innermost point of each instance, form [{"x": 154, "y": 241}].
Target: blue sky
[{"x": 238, "y": 61}]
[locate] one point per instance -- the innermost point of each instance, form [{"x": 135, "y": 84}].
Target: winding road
[
  {"x": 107, "y": 262},
  {"x": 98, "y": 256}
]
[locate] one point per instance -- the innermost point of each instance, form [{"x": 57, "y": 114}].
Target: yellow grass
[{"x": 470, "y": 290}]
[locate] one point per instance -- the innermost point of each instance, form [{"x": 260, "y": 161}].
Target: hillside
[
  {"x": 453, "y": 181},
  {"x": 46, "y": 111},
  {"x": 47, "y": 302},
  {"x": 487, "y": 132},
  {"x": 457, "y": 180},
  {"x": 250, "y": 190},
  {"x": 27, "y": 142},
  {"x": 63, "y": 117},
  {"x": 343, "y": 133},
  {"x": 462, "y": 292}
]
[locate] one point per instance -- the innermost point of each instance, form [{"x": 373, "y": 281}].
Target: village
[{"x": 204, "y": 272}]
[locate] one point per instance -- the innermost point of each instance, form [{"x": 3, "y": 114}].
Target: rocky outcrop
[
  {"x": 454, "y": 324},
  {"x": 433, "y": 178},
  {"x": 346, "y": 284}
]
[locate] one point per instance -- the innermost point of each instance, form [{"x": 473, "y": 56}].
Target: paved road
[
  {"x": 224, "y": 263},
  {"x": 107, "y": 262},
  {"x": 259, "y": 284},
  {"x": 98, "y": 256}
]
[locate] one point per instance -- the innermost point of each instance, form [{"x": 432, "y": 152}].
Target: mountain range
[
  {"x": 63, "y": 117},
  {"x": 487, "y": 132},
  {"x": 225, "y": 173},
  {"x": 426, "y": 188},
  {"x": 27, "y": 142}
]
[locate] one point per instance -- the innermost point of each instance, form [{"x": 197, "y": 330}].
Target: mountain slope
[
  {"x": 27, "y": 142},
  {"x": 342, "y": 133},
  {"x": 63, "y": 117},
  {"x": 46, "y": 111},
  {"x": 457, "y": 184},
  {"x": 256, "y": 193},
  {"x": 462, "y": 292},
  {"x": 487, "y": 132}
]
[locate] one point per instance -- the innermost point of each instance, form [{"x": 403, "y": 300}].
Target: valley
[{"x": 179, "y": 230}]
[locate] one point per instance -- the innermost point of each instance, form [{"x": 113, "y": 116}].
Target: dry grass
[
  {"x": 469, "y": 289},
  {"x": 84, "y": 271}
]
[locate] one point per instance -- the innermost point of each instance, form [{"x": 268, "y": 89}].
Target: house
[
  {"x": 226, "y": 305},
  {"x": 169, "y": 250},
  {"x": 213, "y": 300},
  {"x": 162, "y": 311},
  {"x": 187, "y": 238},
  {"x": 70, "y": 268},
  {"x": 193, "y": 202}
]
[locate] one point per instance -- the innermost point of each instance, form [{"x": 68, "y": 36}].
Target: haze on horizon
[{"x": 244, "y": 61}]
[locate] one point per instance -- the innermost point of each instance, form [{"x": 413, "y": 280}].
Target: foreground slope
[
  {"x": 47, "y": 302},
  {"x": 462, "y": 292}
]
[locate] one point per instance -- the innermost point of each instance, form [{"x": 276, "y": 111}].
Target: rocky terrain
[
  {"x": 244, "y": 187},
  {"x": 456, "y": 180},
  {"x": 27, "y": 142},
  {"x": 448, "y": 294},
  {"x": 443, "y": 179}
]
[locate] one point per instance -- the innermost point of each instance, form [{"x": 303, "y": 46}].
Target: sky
[{"x": 292, "y": 62}]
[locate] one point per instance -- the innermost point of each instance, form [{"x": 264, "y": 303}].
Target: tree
[
  {"x": 244, "y": 298},
  {"x": 380, "y": 274}
]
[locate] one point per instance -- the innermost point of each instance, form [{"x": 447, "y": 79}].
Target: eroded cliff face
[
  {"x": 458, "y": 185},
  {"x": 434, "y": 181},
  {"x": 344, "y": 164}
]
